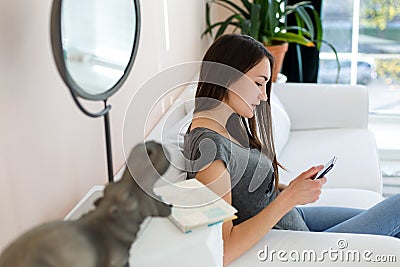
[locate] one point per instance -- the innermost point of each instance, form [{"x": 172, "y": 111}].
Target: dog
[{"x": 102, "y": 237}]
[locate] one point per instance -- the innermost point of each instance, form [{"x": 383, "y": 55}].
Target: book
[{"x": 195, "y": 205}]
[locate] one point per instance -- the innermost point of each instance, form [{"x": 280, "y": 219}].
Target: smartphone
[{"x": 327, "y": 167}]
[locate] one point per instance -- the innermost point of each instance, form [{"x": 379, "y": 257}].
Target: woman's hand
[{"x": 303, "y": 189}]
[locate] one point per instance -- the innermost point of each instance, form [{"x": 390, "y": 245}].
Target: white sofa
[{"x": 312, "y": 123}]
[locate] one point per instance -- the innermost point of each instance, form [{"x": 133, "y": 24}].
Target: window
[{"x": 366, "y": 35}]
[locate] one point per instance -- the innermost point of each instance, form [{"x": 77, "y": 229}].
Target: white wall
[{"x": 50, "y": 152}]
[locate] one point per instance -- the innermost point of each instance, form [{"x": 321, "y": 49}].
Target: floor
[
  {"x": 387, "y": 135},
  {"x": 384, "y": 122},
  {"x": 391, "y": 177}
]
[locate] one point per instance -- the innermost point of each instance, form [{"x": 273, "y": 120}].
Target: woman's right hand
[{"x": 303, "y": 189}]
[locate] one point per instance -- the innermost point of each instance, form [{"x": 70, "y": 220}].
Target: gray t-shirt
[{"x": 251, "y": 172}]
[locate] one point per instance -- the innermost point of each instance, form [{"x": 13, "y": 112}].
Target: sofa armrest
[
  {"x": 283, "y": 247},
  {"x": 321, "y": 106},
  {"x": 161, "y": 243}
]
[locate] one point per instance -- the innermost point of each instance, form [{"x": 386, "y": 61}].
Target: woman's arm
[{"x": 238, "y": 239}]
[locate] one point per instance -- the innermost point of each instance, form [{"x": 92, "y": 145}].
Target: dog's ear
[{"x": 97, "y": 201}]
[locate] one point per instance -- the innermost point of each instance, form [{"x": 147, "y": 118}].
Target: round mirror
[{"x": 94, "y": 44}]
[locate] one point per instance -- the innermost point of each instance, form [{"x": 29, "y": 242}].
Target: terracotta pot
[{"x": 278, "y": 51}]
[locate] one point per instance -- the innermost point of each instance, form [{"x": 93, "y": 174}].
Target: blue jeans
[{"x": 381, "y": 219}]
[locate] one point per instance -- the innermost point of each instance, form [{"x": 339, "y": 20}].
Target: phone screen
[{"x": 327, "y": 167}]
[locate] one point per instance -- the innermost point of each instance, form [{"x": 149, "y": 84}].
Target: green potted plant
[{"x": 265, "y": 21}]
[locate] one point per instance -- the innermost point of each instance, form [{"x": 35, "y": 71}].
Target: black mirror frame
[
  {"x": 76, "y": 90},
  {"x": 56, "y": 44}
]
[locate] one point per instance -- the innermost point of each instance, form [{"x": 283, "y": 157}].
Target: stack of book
[{"x": 195, "y": 205}]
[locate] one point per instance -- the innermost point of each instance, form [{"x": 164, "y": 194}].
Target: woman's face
[{"x": 247, "y": 93}]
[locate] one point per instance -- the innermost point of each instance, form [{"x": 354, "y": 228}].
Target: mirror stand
[
  {"x": 107, "y": 131},
  {"x": 108, "y": 142}
]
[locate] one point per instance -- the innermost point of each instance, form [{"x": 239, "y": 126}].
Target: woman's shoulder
[
  {"x": 199, "y": 133},
  {"x": 206, "y": 145}
]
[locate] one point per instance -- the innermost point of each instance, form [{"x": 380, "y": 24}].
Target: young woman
[{"x": 230, "y": 148}]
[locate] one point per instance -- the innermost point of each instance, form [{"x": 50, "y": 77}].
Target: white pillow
[
  {"x": 171, "y": 136},
  {"x": 170, "y": 131},
  {"x": 280, "y": 122},
  {"x": 188, "y": 97}
]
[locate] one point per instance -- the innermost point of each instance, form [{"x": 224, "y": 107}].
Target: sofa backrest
[{"x": 313, "y": 106}]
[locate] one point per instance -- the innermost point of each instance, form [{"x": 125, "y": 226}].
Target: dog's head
[{"x": 132, "y": 198}]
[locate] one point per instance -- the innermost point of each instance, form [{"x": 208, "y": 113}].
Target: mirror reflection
[{"x": 97, "y": 40}]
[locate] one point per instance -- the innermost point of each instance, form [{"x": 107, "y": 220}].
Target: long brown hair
[{"x": 239, "y": 52}]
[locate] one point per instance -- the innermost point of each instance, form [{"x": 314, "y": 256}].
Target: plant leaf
[
  {"x": 319, "y": 31},
  {"x": 209, "y": 29},
  {"x": 293, "y": 38},
  {"x": 246, "y": 27},
  {"x": 226, "y": 23},
  {"x": 302, "y": 3},
  {"x": 247, "y": 4},
  {"x": 300, "y": 29},
  {"x": 208, "y": 20},
  {"x": 236, "y": 9},
  {"x": 300, "y": 23},
  {"x": 300, "y": 11},
  {"x": 227, "y": 4},
  {"x": 255, "y": 21},
  {"x": 336, "y": 56},
  {"x": 263, "y": 14},
  {"x": 271, "y": 22}
]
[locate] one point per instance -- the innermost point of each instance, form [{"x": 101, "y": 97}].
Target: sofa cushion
[
  {"x": 296, "y": 248},
  {"x": 348, "y": 197},
  {"x": 357, "y": 164}
]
